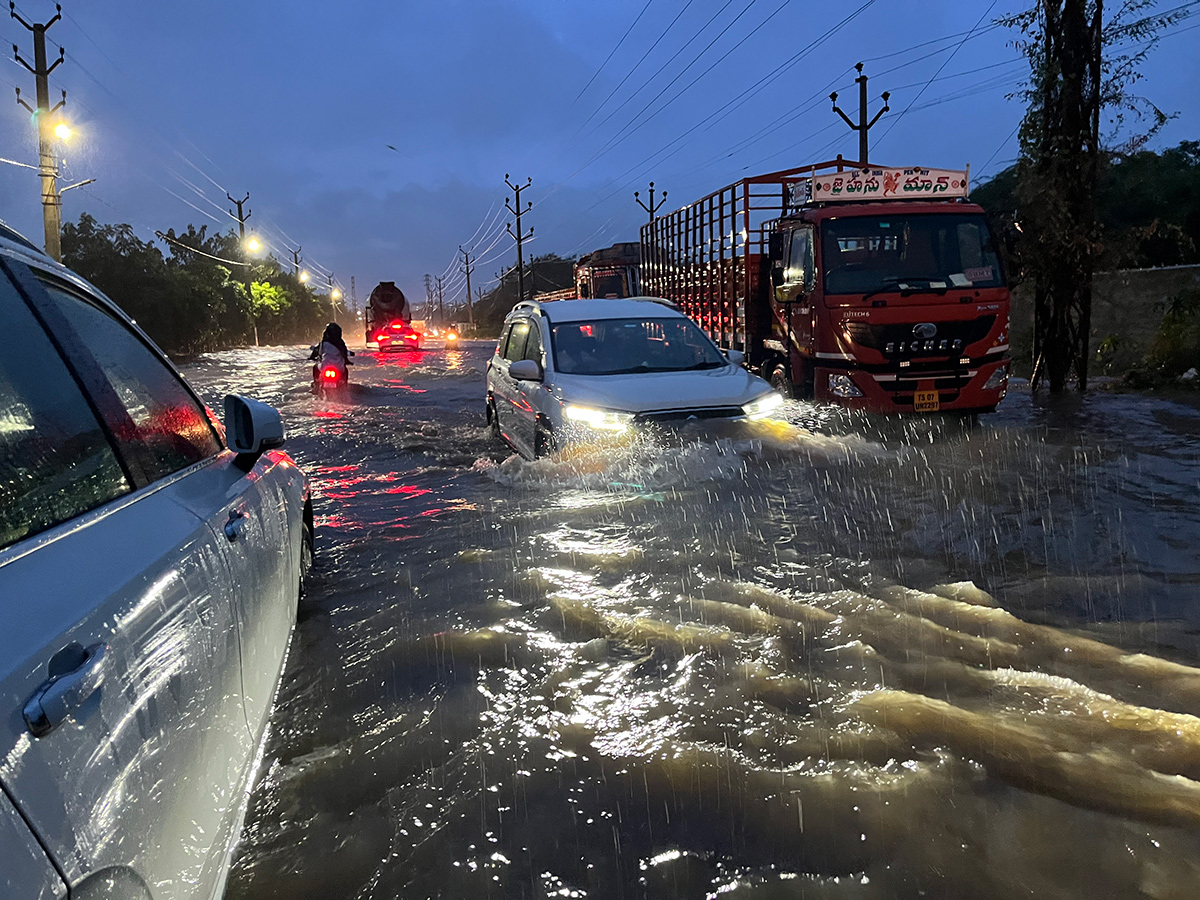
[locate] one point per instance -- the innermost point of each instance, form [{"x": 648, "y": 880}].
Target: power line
[
  {"x": 945, "y": 63},
  {"x": 614, "y": 50}
]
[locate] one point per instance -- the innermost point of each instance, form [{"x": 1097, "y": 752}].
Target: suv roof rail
[
  {"x": 663, "y": 301},
  {"x": 528, "y": 304}
]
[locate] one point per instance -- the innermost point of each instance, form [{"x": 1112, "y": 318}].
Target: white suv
[{"x": 573, "y": 369}]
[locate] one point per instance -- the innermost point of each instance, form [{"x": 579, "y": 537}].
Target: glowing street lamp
[
  {"x": 62, "y": 131},
  {"x": 336, "y": 294},
  {"x": 253, "y": 245},
  {"x": 303, "y": 277}
]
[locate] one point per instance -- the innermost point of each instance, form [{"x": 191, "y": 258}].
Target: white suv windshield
[{"x": 623, "y": 346}]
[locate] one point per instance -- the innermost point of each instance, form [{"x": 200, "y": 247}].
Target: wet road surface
[{"x": 822, "y": 659}]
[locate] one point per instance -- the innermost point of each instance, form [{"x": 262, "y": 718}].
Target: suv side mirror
[
  {"x": 526, "y": 370},
  {"x": 736, "y": 357},
  {"x": 251, "y": 427}
]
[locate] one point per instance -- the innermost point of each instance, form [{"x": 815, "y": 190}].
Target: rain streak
[{"x": 828, "y": 657}]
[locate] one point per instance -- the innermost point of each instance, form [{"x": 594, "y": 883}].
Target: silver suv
[
  {"x": 572, "y": 370},
  {"x": 150, "y": 563}
]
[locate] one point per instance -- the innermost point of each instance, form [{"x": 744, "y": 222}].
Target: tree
[{"x": 1081, "y": 64}]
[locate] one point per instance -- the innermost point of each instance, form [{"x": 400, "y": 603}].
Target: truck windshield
[
  {"x": 903, "y": 253},
  {"x": 609, "y": 283},
  {"x": 624, "y": 346}
]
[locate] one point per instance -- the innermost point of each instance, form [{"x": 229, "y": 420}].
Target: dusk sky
[{"x": 376, "y": 135}]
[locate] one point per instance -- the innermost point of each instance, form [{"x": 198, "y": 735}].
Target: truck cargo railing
[{"x": 711, "y": 256}]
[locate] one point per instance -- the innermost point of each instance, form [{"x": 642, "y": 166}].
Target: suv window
[
  {"x": 533, "y": 344},
  {"x": 515, "y": 348},
  {"x": 163, "y": 427},
  {"x": 55, "y": 460}
]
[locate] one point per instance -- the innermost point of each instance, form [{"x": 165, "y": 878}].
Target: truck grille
[{"x": 898, "y": 340}]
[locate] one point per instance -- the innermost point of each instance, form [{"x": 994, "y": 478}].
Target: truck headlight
[
  {"x": 763, "y": 406},
  {"x": 843, "y": 386},
  {"x": 998, "y": 379},
  {"x": 600, "y": 419}
]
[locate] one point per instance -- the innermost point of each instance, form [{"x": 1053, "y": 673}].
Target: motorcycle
[{"x": 330, "y": 375}]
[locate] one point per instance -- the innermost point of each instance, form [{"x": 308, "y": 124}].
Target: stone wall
[{"x": 1127, "y": 306}]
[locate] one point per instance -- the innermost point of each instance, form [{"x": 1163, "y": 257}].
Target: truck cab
[{"x": 891, "y": 305}]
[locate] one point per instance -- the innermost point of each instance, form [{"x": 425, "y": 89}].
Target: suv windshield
[
  {"x": 901, "y": 253},
  {"x": 622, "y": 346}
]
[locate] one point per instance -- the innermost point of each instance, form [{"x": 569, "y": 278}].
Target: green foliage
[
  {"x": 1176, "y": 345},
  {"x": 1149, "y": 207},
  {"x": 195, "y": 298}
]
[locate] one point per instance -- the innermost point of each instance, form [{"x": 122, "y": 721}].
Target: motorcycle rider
[{"x": 331, "y": 351}]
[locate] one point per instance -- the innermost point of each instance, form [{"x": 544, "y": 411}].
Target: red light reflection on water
[{"x": 327, "y": 414}]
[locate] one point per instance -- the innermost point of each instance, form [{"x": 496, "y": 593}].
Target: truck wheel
[{"x": 782, "y": 381}]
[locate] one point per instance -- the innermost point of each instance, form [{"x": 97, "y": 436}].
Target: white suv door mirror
[
  {"x": 250, "y": 426},
  {"x": 526, "y": 370}
]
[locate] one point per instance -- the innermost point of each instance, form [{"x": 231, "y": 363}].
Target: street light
[
  {"x": 62, "y": 131},
  {"x": 303, "y": 277},
  {"x": 253, "y": 245},
  {"x": 336, "y": 294}
]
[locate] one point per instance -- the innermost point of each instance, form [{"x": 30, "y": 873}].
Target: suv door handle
[{"x": 63, "y": 693}]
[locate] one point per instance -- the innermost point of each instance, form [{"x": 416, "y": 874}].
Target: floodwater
[{"x": 822, "y": 659}]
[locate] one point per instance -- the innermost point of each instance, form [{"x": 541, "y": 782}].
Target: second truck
[{"x": 872, "y": 287}]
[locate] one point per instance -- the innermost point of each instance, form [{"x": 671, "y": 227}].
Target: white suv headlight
[
  {"x": 763, "y": 406},
  {"x": 998, "y": 380},
  {"x": 843, "y": 386},
  {"x": 600, "y": 419}
]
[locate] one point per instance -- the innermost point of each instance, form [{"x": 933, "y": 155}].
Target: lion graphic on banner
[{"x": 891, "y": 182}]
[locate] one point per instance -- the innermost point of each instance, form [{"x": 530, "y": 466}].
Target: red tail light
[
  {"x": 329, "y": 373},
  {"x": 397, "y": 326}
]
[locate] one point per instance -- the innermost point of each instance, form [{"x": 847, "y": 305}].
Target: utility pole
[
  {"x": 353, "y": 299},
  {"x": 47, "y": 164},
  {"x": 468, "y": 269},
  {"x": 520, "y": 237},
  {"x": 241, "y": 219},
  {"x": 863, "y": 125},
  {"x": 441, "y": 309},
  {"x": 652, "y": 208},
  {"x": 334, "y": 296},
  {"x": 296, "y": 260},
  {"x": 428, "y": 295}
]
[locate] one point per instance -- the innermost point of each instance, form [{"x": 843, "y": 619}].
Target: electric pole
[
  {"x": 863, "y": 125},
  {"x": 241, "y": 219},
  {"x": 296, "y": 260},
  {"x": 353, "y": 298},
  {"x": 652, "y": 208},
  {"x": 468, "y": 269},
  {"x": 441, "y": 309},
  {"x": 520, "y": 237},
  {"x": 47, "y": 164},
  {"x": 428, "y": 296}
]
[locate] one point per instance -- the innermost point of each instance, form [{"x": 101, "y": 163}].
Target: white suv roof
[{"x": 593, "y": 309}]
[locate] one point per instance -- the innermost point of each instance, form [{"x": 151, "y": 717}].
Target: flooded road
[{"x": 816, "y": 660}]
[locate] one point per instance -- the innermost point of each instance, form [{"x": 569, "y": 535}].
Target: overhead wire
[{"x": 596, "y": 74}]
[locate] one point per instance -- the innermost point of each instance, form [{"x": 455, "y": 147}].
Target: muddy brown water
[{"x": 825, "y": 658}]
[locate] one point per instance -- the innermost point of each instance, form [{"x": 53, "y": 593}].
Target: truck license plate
[{"x": 926, "y": 401}]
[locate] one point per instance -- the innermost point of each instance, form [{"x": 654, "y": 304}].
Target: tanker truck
[
  {"x": 389, "y": 319},
  {"x": 866, "y": 286}
]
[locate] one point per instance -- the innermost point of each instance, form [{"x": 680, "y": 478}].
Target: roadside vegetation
[{"x": 197, "y": 292}]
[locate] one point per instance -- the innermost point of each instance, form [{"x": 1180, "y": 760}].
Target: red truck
[
  {"x": 389, "y": 319},
  {"x": 871, "y": 287}
]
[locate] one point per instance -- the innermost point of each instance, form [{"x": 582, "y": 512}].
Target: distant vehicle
[
  {"x": 389, "y": 319},
  {"x": 565, "y": 372},
  {"x": 150, "y": 566},
  {"x": 611, "y": 273},
  {"x": 872, "y": 287}
]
